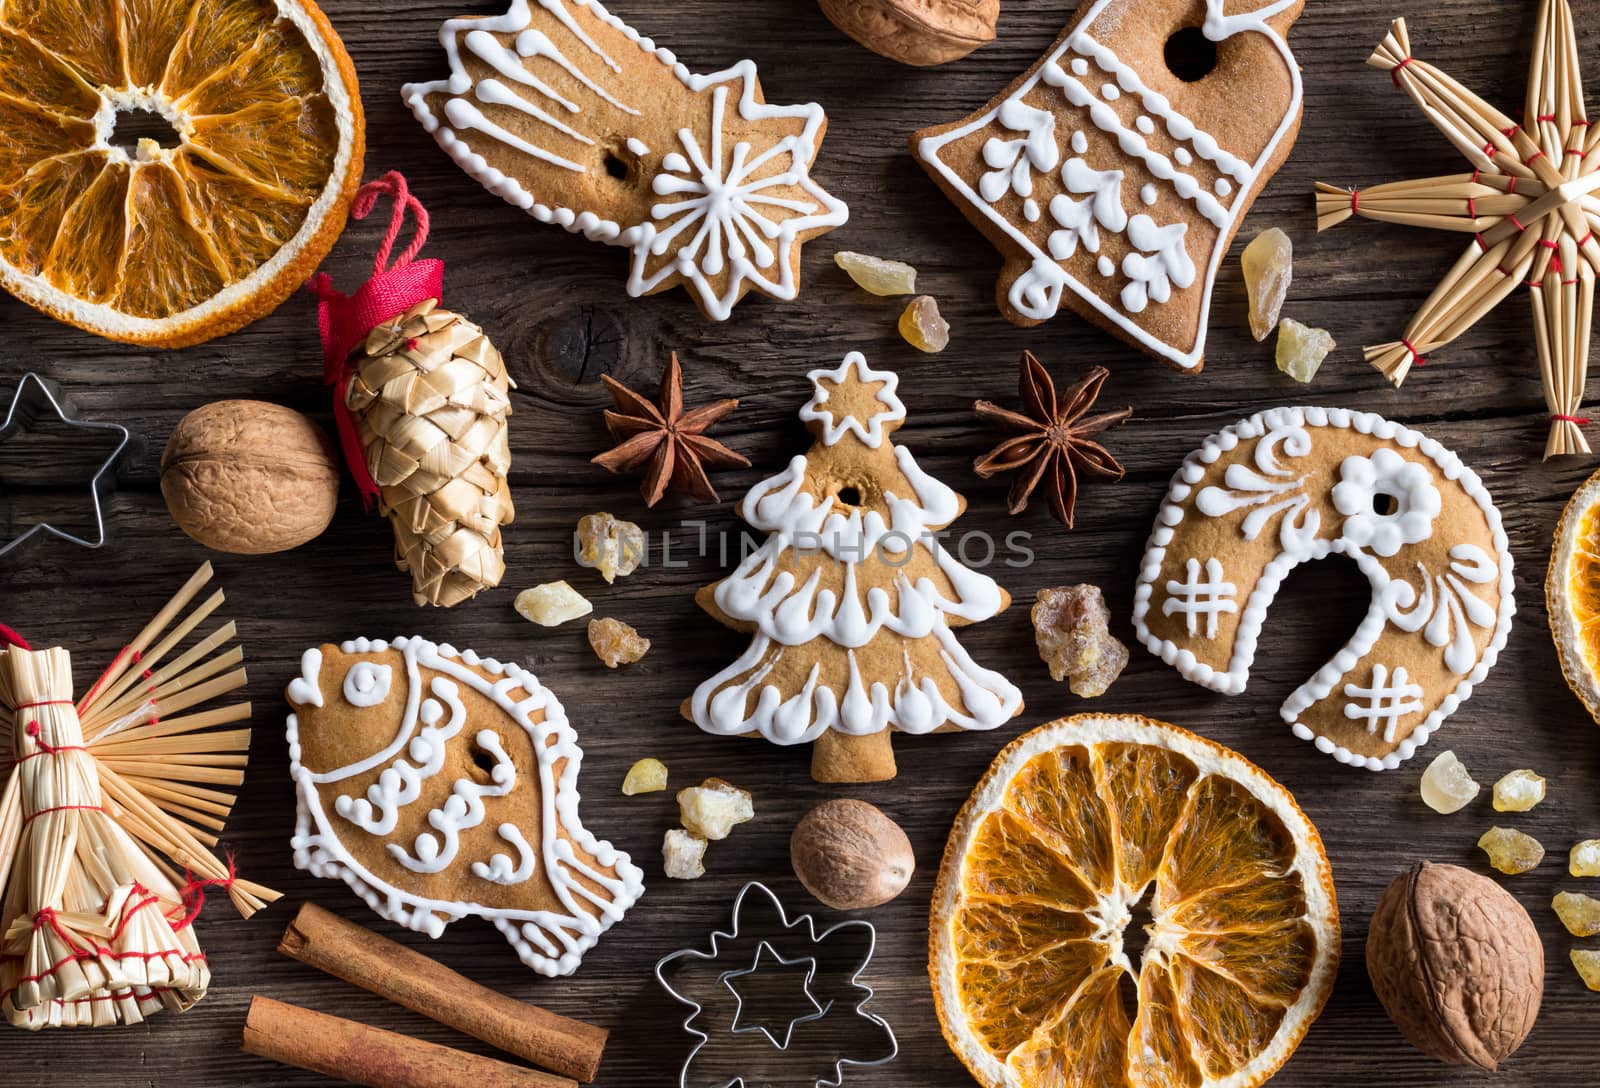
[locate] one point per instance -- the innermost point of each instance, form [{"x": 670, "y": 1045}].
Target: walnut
[
  {"x": 1457, "y": 963},
  {"x": 916, "y": 32},
  {"x": 850, "y": 855},
  {"x": 249, "y": 477}
]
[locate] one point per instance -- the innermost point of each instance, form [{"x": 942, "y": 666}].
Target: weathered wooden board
[{"x": 555, "y": 306}]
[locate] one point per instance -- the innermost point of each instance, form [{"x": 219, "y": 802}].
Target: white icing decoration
[
  {"x": 741, "y": 232},
  {"x": 1151, "y": 277},
  {"x": 1195, "y": 597},
  {"x": 1037, "y": 293},
  {"x": 1222, "y": 186},
  {"x": 1013, "y": 162},
  {"x": 1147, "y": 194},
  {"x": 1080, "y": 219},
  {"x": 550, "y": 942},
  {"x": 1030, "y": 210},
  {"x": 869, "y": 431},
  {"x": 1080, "y": 143},
  {"x": 461, "y": 811},
  {"x": 1385, "y": 701},
  {"x": 1364, "y": 481},
  {"x": 1109, "y": 92},
  {"x": 1439, "y": 608},
  {"x": 1144, "y": 124},
  {"x": 1105, "y": 265},
  {"x": 366, "y": 684},
  {"x": 307, "y": 687}
]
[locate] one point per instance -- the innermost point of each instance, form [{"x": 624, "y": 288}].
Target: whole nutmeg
[
  {"x": 850, "y": 855},
  {"x": 249, "y": 477},
  {"x": 1457, "y": 963},
  {"x": 916, "y": 32}
]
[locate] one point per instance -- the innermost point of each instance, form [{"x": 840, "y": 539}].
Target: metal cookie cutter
[
  {"x": 23, "y": 411},
  {"x": 775, "y": 1004}
]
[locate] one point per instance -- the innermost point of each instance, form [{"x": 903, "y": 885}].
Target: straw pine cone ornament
[{"x": 422, "y": 405}]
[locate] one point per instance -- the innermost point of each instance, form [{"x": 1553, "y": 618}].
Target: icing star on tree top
[
  {"x": 853, "y": 398},
  {"x": 1528, "y": 204}
]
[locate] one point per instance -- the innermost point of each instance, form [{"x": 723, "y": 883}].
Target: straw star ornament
[{"x": 1528, "y": 203}]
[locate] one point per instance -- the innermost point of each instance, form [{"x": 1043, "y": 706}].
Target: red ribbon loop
[
  {"x": 345, "y": 320},
  {"x": 9, "y": 637}
]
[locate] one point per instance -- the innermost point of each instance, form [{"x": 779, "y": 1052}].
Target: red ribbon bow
[{"x": 345, "y": 320}]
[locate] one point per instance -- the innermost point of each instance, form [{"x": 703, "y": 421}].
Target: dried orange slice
[
  {"x": 1572, "y": 593},
  {"x": 1080, "y": 828},
  {"x": 171, "y": 169}
]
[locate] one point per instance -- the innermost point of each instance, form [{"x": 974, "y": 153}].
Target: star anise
[
  {"x": 668, "y": 443},
  {"x": 1054, "y": 440}
]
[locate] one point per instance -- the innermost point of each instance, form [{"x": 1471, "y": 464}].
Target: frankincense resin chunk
[
  {"x": 1518, "y": 791},
  {"x": 1511, "y": 851},
  {"x": 683, "y": 855},
  {"x": 1301, "y": 349},
  {"x": 1585, "y": 858},
  {"x": 645, "y": 776},
  {"x": 714, "y": 808},
  {"x": 1587, "y": 961},
  {"x": 876, "y": 274},
  {"x": 551, "y": 604},
  {"x": 610, "y": 545},
  {"x": 1071, "y": 628},
  {"x": 1446, "y": 785},
  {"x": 922, "y": 326},
  {"x": 1578, "y": 912},
  {"x": 615, "y": 643},
  {"x": 1268, "y": 263}
]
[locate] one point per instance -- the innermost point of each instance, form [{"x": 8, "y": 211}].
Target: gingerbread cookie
[
  {"x": 1113, "y": 174},
  {"x": 567, "y": 112},
  {"x": 852, "y": 597},
  {"x": 1297, "y": 484},
  {"x": 438, "y": 784}
]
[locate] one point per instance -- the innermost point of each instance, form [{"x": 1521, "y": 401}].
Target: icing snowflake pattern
[
  {"x": 739, "y": 226},
  {"x": 889, "y": 407}
]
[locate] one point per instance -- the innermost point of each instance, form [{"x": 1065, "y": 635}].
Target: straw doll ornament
[
  {"x": 421, "y": 398},
  {"x": 109, "y": 808},
  {"x": 1529, "y": 204}
]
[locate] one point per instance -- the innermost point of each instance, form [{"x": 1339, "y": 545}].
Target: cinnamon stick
[
  {"x": 353, "y": 1052},
  {"x": 392, "y": 971}
]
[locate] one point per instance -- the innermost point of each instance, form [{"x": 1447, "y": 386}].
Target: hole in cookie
[
  {"x": 849, "y": 496},
  {"x": 1190, "y": 55},
  {"x": 617, "y": 166},
  {"x": 1384, "y": 504},
  {"x": 483, "y": 762}
]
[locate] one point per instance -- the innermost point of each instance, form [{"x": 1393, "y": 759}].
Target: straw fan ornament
[
  {"x": 109, "y": 809},
  {"x": 1529, "y": 204}
]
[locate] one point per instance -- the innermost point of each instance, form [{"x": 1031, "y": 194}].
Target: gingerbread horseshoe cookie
[
  {"x": 568, "y": 113},
  {"x": 1113, "y": 174},
  {"x": 1297, "y": 484}
]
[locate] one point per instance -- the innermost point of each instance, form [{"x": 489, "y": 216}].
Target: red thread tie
[
  {"x": 9, "y": 637},
  {"x": 1394, "y": 73},
  {"x": 193, "y": 893},
  {"x": 1416, "y": 356},
  {"x": 1582, "y": 421},
  {"x": 1355, "y": 201},
  {"x": 1545, "y": 117},
  {"x": 345, "y": 320}
]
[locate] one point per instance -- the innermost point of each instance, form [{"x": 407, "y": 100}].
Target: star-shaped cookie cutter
[
  {"x": 17, "y": 417},
  {"x": 835, "y": 959}
]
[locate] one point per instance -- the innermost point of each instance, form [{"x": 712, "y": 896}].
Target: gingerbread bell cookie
[
  {"x": 852, "y": 597},
  {"x": 567, "y": 112},
  {"x": 1297, "y": 484},
  {"x": 440, "y": 784},
  {"x": 1113, "y": 174}
]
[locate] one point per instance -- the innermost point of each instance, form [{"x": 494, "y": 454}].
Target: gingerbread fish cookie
[
  {"x": 440, "y": 784},
  {"x": 1297, "y": 484},
  {"x": 1113, "y": 174},
  {"x": 852, "y": 597},
  {"x": 565, "y": 111}
]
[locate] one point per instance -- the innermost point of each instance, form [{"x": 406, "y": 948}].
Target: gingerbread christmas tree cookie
[
  {"x": 440, "y": 784},
  {"x": 852, "y": 598},
  {"x": 1113, "y": 174},
  {"x": 567, "y": 112},
  {"x": 1297, "y": 484}
]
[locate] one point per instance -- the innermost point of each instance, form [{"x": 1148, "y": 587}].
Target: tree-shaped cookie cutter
[
  {"x": 824, "y": 1026},
  {"x": 24, "y": 410}
]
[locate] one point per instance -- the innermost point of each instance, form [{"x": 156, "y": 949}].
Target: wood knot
[{"x": 577, "y": 345}]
